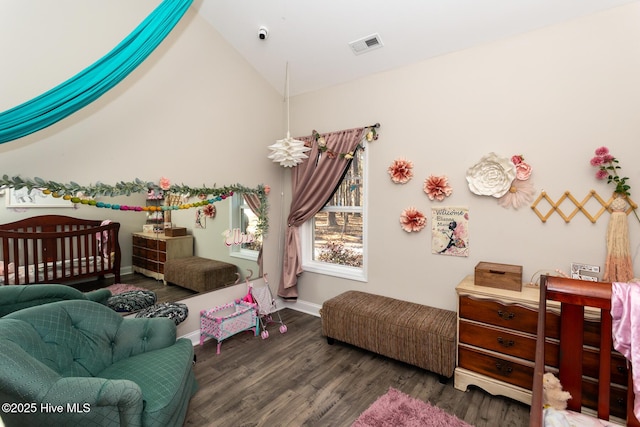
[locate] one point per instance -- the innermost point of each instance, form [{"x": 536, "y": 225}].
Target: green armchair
[
  {"x": 80, "y": 363},
  {"x": 17, "y": 297}
]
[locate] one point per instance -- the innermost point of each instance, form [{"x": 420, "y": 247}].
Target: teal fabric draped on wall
[{"x": 91, "y": 83}]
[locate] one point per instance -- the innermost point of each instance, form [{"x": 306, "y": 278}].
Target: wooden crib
[
  {"x": 58, "y": 249},
  {"x": 581, "y": 366}
]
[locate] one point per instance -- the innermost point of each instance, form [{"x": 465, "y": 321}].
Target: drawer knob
[
  {"x": 621, "y": 369},
  {"x": 506, "y": 315},
  {"x": 507, "y": 343},
  {"x": 504, "y": 369}
]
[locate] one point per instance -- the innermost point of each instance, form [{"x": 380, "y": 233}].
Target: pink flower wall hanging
[
  {"x": 437, "y": 187},
  {"x": 520, "y": 194},
  {"x": 412, "y": 220},
  {"x": 521, "y": 191},
  {"x": 401, "y": 171},
  {"x": 209, "y": 211}
]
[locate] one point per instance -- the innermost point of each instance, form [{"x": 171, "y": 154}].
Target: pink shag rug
[
  {"x": 396, "y": 409},
  {"x": 119, "y": 288}
]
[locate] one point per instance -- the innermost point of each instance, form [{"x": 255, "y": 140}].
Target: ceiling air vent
[{"x": 366, "y": 44}]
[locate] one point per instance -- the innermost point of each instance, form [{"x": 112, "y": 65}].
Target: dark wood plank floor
[{"x": 297, "y": 379}]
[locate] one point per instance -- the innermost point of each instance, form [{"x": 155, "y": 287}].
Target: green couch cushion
[
  {"x": 131, "y": 371},
  {"x": 162, "y": 375},
  {"x": 76, "y": 339},
  {"x": 18, "y": 297}
]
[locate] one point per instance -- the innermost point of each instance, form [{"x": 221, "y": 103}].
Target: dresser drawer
[
  {"x": 617, "y": 400},
  {"x": 505, "y": 341},
  {"x": 510, "y": 371},
  {"x": 510, "y": 316},
  {"x": 139, "y": 241},
  {"x": 591, "y": 366}
]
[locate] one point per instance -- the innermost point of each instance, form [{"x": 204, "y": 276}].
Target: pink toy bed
[{"x": 58, "y": 249}]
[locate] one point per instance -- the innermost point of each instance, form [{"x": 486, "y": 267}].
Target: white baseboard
[{"x": 299, "y": 305}]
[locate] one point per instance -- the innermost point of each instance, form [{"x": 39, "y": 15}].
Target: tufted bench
[
  {"x": 413, "y": 333},
  {"x": 199, "y": 274}
]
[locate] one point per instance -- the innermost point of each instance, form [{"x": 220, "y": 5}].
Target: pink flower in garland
[
  {"x": 412, "y": 219},
  {"x": 401, "y": 171},
  {"x": 165, "y": 184},
  {"x": 437, "y": 187}
]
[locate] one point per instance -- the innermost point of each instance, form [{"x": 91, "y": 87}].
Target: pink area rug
[
  {"x": 119, "y": 288},
  {"x": 396, "y": 409}
]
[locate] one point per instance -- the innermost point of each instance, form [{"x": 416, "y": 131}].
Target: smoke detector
[{"x": 366, "y": 44}]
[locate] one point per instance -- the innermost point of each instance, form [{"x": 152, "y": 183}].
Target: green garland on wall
[{"x": 208, "y": 195}]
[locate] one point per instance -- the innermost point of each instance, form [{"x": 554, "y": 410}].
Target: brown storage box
[
  {"x": 501, "y": 276},
  {"x": 175, "y": 231}
]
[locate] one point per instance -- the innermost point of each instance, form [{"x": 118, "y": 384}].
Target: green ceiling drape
[{"x": 91, "y": 83}]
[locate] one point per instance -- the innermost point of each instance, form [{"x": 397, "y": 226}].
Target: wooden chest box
[
  {"x": 501, "y": 276},
  {"x": 175, "y": 231}
]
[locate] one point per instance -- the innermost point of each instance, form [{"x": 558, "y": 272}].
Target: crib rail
[{"x": 57, "y": 249}]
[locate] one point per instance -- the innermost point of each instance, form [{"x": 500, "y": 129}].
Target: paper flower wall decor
[
  {"x": 412, "y": 220},
  {"x": 437, "y": 187},
  {"x": 401, "y": 171},
  {"x": 491, "y": 176},
  {"x": 521, "y": 191}
]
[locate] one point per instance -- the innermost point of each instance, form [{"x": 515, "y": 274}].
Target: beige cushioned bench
[
  {"x": 413, "y": 333},
  {"x": 199, "y": 274}
]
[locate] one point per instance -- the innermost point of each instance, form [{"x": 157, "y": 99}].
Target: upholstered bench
[
  {"x": 413, "y": 333},
  {"x": 199, "y": 274}
]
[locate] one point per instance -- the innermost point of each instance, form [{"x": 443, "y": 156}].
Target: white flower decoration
[{"x": 491, "y": 176}]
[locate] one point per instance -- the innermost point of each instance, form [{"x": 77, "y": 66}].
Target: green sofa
[
  {"x": 17, "y": 297},
  {"x": 79, "y": 363}
]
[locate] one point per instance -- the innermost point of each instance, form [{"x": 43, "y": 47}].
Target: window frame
[
  {"x": 237, "y": 205},
  {"x": 307, "y": 232}
]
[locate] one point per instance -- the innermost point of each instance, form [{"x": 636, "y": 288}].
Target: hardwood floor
[{"x": 297, "y": 379}]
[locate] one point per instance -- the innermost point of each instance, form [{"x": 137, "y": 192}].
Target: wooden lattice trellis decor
[{"x": 579, "y": 206}]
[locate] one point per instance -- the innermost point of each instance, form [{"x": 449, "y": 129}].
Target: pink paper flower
[
  {"x": 401, "y": 171},
  {"x": 412, "y": 219},
  {"x": 209, "y": 211},
  {"x": 267, "y": 189},
  {"x": 523, "y": 171},
  {"x": 437, "y": 187},
  {"x": 520, "y": 193},
  {"x": 165, "y": 184}
]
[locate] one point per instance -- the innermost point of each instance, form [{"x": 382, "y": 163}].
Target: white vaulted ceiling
[{"x": 314, "y": 35}]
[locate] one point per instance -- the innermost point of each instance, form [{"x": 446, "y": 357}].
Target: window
[
  {"x": 334, "y": 240},
  {"x": 243, "y": 218}
]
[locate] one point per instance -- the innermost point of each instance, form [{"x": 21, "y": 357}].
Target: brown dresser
[
  {"x": 152, "y": 250},
  {"x": 497, "y": 340}
]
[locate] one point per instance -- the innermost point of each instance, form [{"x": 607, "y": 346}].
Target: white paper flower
[{"x": 491, "y": 176}]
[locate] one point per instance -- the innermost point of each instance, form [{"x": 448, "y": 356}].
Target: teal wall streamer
[{"x": 95, "y": 80}]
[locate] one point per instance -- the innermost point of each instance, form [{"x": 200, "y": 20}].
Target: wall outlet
[{"x": 585, "y": 271}]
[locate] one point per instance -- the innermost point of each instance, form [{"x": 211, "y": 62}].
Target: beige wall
[
  {"x": 553, "y": 95},
  {"x": 195, "y": 112}
]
